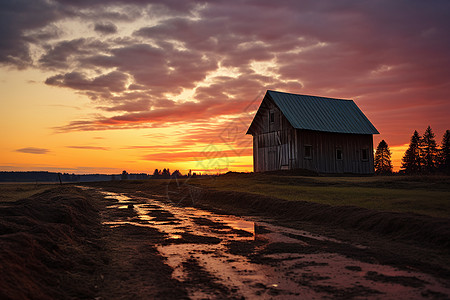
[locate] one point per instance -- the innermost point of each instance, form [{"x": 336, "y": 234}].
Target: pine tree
[
  {"x": 429, "y": 151},
  {"x": 411, "y": 163},
  {"x": 444, "y": 157},
  {"x": 383, "y": 164}
]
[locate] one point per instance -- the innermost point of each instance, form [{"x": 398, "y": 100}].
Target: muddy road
[{"x": 200, "y": 254}]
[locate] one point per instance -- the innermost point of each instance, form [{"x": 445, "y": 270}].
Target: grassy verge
[{"x": 422, "y": 195}]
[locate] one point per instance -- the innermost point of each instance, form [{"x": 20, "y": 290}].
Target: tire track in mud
[
  {"x": 210, "y": 255},
  {"x": 134, "y": 268}
]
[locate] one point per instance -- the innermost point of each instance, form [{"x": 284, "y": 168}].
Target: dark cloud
[
  {"x": 105, "y": 28},
  {"x": 33, "y": 150},
  {"x": 88, "y": 147},
  {"x": 16, "y": 17},
  {"x": 60, "y": 55},
  {"x": 111, "y": 82}
]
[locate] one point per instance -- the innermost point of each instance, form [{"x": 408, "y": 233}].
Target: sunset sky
[{"x": 105, "y": 86}]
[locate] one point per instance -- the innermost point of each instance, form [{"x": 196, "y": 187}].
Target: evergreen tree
[
  {"x": 428, "y": 151},
  {"x": 411, "y": 163},
  {"x": 444, "y": 157},
  {"x": 383, "y": 164}
]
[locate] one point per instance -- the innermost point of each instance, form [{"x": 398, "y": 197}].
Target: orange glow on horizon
[{"x": 397, "y": 153}]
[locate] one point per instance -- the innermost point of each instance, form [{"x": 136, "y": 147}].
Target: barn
[{"x": 325, "y": 135}]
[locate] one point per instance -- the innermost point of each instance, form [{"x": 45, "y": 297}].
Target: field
[
  {"x": 323, "y": 237},
  {"x": 427, "y": 195},
  {"x": 16, "y": 191}
]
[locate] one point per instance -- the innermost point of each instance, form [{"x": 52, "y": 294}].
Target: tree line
[
  {"x": 423, "y": 155},
  {"x": 165, "y": 173}
]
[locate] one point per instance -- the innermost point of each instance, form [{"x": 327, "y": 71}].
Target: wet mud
[{"x": 216, "y": 256}]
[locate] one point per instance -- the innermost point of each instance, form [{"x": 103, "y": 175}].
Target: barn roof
[{"x": 321, "y": 114}]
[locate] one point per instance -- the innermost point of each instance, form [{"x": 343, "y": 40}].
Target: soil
[{"x": 116, "y": 242}]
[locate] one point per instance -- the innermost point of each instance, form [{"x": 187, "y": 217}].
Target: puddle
[
  {"x": 119, "y": 197},
  {"x": 288, "y": 263}
]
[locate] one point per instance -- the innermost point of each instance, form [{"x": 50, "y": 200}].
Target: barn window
[
  {"x": 272, "y": 117},
  {"x": 365, "y": 154},
  {"x": 339, "y": 154},
  {"x": 308, "y": 151}
]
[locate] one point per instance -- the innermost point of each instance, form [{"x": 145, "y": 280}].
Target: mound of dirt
[
  {"x": 403, "y": 226},
  {"x": 47, "y": 246}
]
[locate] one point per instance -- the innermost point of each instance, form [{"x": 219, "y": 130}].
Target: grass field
[
  {"x": 15, "y": 191},
  {"x": 428, "y": 195}
]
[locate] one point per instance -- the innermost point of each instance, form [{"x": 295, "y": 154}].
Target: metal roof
[{"x": 322, "y": 114}]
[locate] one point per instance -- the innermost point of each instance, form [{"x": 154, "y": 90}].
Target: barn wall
[
  {"x": 272, "y": 141},
  {"x": 324, "y": 147}
]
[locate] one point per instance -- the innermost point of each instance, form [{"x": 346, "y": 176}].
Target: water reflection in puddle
[
  {"x": 175, "y": 236},
  {"x": 285, "y": 273}
]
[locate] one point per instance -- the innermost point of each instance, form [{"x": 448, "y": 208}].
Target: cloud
[
  {"x": 391, "y": 57},
  {"x": 111, "y": 82},
  {"x": 33, "y": 150},
  {"x": 129, "y": 106},
  {"x": 16, "y": 18},
  {"x": 88, "y": 147},
  {"x": 187, "y": 112},
  {"x": 105, "y": 28},
  {"x": 59, "y": 55},
  {"x": 219, "y": 157}
]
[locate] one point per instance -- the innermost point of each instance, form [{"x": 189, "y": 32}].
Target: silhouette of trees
[
  {"x": 444, "y": 155},
  {"x": 165, "y": 173},
  {"x": 383, "y": 164},
  {"x": 411, "y": 161},
  {"x": 124, "y": 175},
  {"x": 424, "y": 156},
  {"x": 176, "y": 174},
  {"x": 428, "y": 151}
]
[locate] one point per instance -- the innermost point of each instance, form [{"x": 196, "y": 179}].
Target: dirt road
[{"x": 200, "y": 254}]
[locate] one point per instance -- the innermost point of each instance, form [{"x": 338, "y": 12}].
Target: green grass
[{"x": 422, "y": 195}]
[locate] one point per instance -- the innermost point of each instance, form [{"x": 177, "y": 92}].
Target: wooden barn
[{"x": 321, "y": 134}]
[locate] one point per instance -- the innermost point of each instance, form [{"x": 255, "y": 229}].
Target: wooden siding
[
  {"x": 324, "y": 147},
  {"x": 278, "y": 146}
]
